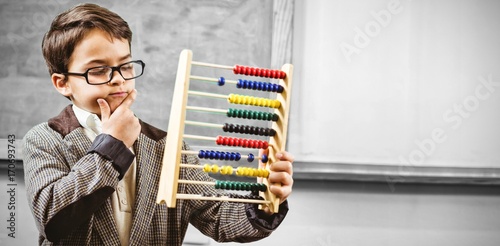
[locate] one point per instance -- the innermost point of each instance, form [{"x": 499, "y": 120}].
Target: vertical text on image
[{"x": 11, "y": 185}]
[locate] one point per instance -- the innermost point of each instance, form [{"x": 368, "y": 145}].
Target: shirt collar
[{"x": 88, "y": 120}]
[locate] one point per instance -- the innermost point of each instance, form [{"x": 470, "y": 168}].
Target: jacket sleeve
[
  {"x": 227, "y": 221},
  {"x": 64, "y": 190}
]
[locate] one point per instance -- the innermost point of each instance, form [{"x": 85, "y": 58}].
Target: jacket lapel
[{"x": 148, "y": 160}]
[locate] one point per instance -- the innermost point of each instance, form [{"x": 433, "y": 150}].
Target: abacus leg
[{"x": 167, "y": 189}]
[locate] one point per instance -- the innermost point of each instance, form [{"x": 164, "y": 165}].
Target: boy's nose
[{"x": 116, "y": 78}]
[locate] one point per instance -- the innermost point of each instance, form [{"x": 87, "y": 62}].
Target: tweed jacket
[{"x": 69, "y": 188}]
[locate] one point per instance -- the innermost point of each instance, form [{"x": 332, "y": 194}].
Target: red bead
[
  {"x": 283, "y": 75},
  {"x": 273, "y": 74},
  {"x": 258, "y": 72},
  {"x": 265, "y": 145}
]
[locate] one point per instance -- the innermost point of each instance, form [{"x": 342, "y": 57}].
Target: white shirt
[{"x": 122, "y": 200}]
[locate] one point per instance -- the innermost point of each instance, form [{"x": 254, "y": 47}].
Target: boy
[{"x": 92, "y": 172}]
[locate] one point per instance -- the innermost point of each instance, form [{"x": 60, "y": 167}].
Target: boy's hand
[
  {"x": 281, "y": 174},
  {"x": 122, "y": 123}
]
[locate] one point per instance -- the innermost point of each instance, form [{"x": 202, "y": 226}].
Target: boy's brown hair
[{"x": 69, "y": 28}]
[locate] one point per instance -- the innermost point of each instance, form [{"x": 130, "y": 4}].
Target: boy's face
[{"x": 97, "y": 48}]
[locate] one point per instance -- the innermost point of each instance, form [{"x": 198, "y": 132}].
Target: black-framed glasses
[{"x": 104, "y": 74}]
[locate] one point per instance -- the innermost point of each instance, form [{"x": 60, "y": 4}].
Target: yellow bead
[
  {"x": 266, "y": 173},
  {"x": 215, "y": 168},
  {"x": 229, "y": 170},
  {"x": 262, "y": 102},
  {"x": 260, "y": 172},
  {"x": 207, "y": 168},
  {"x": 255, "y": 101}
]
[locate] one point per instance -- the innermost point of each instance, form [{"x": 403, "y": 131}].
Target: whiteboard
[{"x": 396, "y": 83}]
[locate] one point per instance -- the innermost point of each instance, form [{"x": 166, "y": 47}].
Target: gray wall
[{"x": 221, "y": 32}]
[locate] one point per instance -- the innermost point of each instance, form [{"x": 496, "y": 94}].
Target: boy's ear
[{"x": 61, "y": 84}]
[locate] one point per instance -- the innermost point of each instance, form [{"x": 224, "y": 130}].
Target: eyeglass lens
[{"x": 128, "y": 70}]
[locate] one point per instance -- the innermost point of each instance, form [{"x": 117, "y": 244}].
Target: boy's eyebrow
[{"x": 101, "y": 61}]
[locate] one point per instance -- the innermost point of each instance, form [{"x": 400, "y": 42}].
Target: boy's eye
[
  {"x": 127, "y": 67},
  {"x": 99, "y": 71}
]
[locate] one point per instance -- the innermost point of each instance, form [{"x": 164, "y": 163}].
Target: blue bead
[
  {"x": 201, "y": 154},
  {"x": 280, "y": 89},
  {"x": 217, "y": 155},
  {"x": 212, "y": 155},
  {"x": 222, "y": 81},
  {"x": 233, "y": 156},
  {"x": 259, "y": 86},
  {"x": 239, "y": 84},
  {"x": 238, "y": 157},
  {"x": 264, "y": 158},
  {"x": 250, "y": 84},
  {"x": 250, "y": 157},
  {"x": 265, "y": 86},
  {"x": 222, "y": 155}
]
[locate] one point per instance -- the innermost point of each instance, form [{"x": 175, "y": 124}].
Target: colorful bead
[
  {"x": 260, "y": 86},
  {"x": 261, "y": 72},
  {"x": 264, "y": 158},
  {"x": 221, "y": 81},
  {"x": 245, "y": 129},
  {"x": 241, "y": 142},
  {"x": 249, "y": 114},
  {"x": 250, "y": 157},
  {"x": 254, "y": 101},
  {"x": 207, "y": 168},
  {"x": 234, "y": 185},
  {"x": 215, "y": 168},
  {"x": 219, "y": 155}
]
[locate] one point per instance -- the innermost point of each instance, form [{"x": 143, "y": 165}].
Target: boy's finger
[
  {"x": 285, "y": 156},
  {"x": 105, "y": 110},
  {"x": 127, "y": 102}
]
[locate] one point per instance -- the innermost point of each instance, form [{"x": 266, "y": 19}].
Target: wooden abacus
[{"x": 169, "y": 179}]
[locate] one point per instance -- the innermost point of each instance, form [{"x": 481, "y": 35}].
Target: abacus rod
[
  {"x": 206, "y": 94},
  {"x": 221, "y": 198},
  {"x": 240, "y": 171},
  {"x": 206, "y": 109},
  {"x": 197, "y": 123},
  {"x": 191, "y": 152},
  {"x": 264, "y": 144},
  {"x": 185, "y": 181},
  {"x": 199, "y": 137},
  {"x": 190, "y": 165},
  {"x": 205, "y": 64},
  {"x": 213, "y": 79}
]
